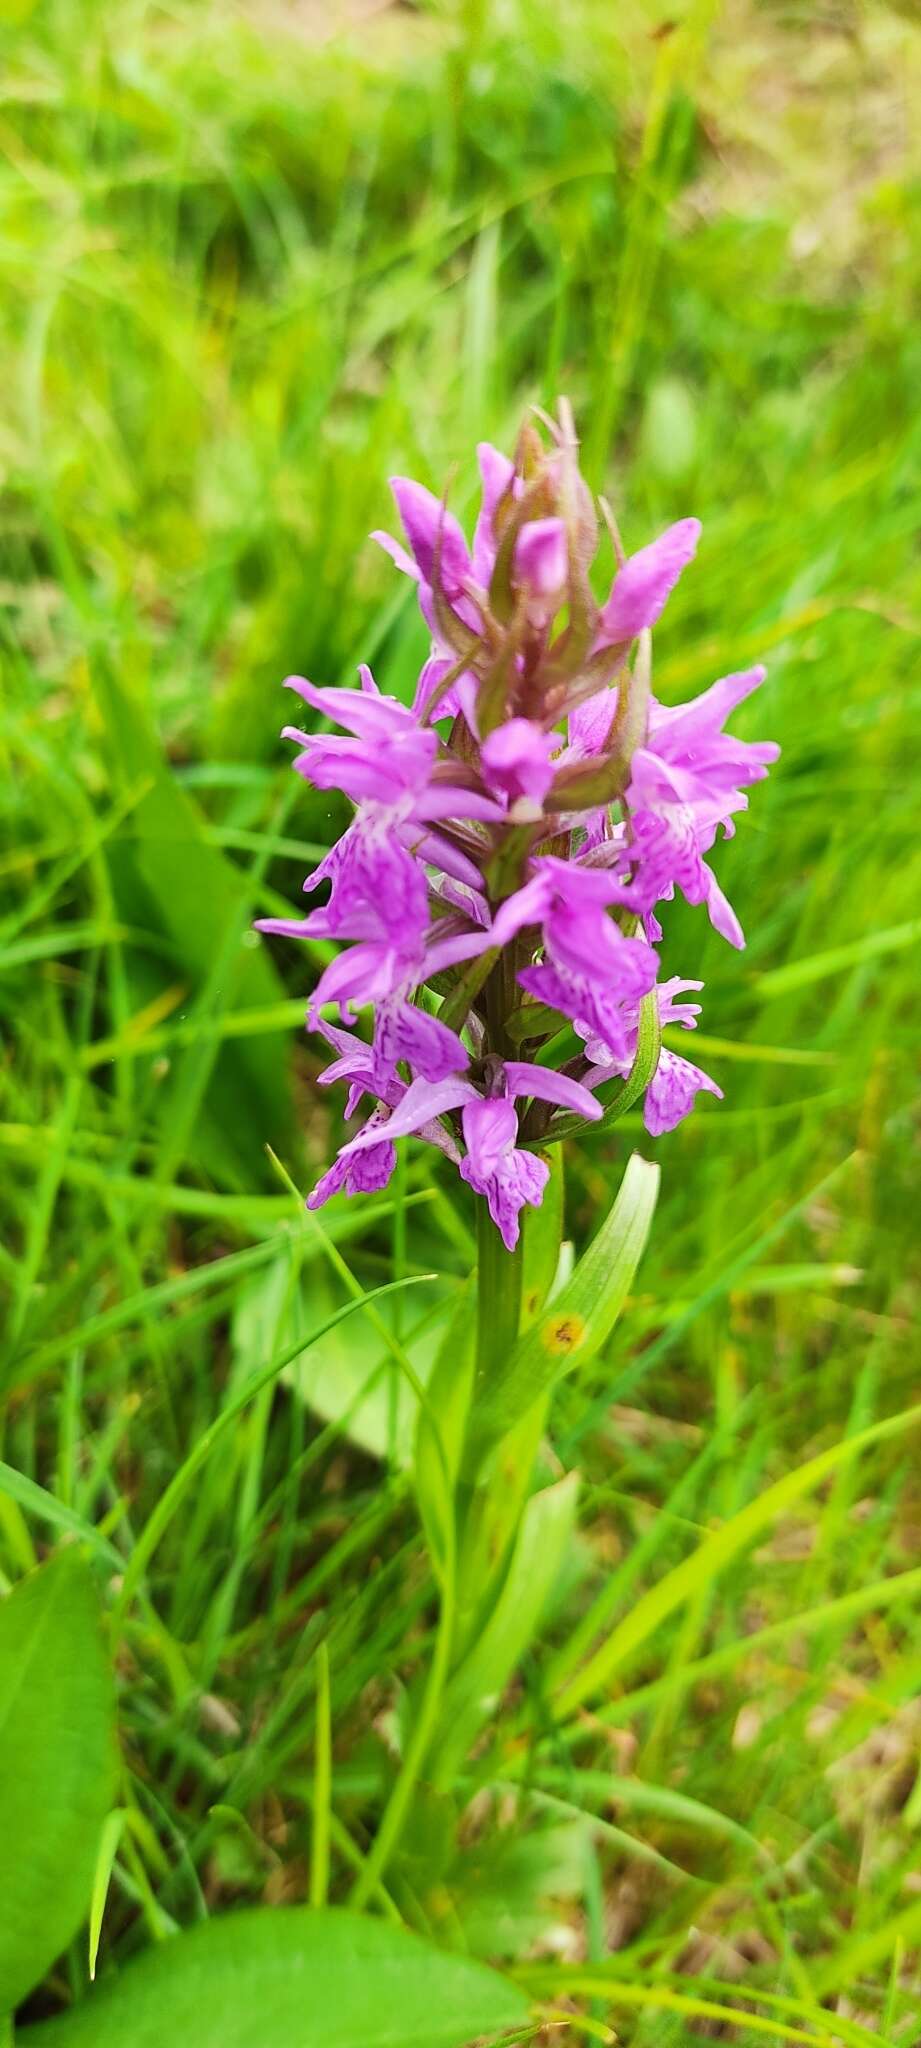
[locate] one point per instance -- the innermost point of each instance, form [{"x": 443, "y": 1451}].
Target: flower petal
[{"x": 646, "y": 580}]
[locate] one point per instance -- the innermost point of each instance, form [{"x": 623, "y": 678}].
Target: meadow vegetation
[{"x": 255, "y": 260}]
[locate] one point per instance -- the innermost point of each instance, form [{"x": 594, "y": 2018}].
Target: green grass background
[{"x": 255, "y": 258}]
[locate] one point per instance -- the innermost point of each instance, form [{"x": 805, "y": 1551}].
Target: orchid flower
[{"x": 516, "y": 833}]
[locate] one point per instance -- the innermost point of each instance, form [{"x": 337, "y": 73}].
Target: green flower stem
[{"x": 498, "y": 1298}]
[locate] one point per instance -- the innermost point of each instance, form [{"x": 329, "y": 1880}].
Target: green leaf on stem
[
  {"x": 438, "y": 1456},
  {"x": 544, "y": 1534},
  {"x": 542, "y": 1237},
  {"x": 578, "y": 1321},
  {"x": 292, "y": 1978}
]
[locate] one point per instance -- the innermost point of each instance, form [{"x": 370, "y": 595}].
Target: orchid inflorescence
[{"x": 514, "y": 833}]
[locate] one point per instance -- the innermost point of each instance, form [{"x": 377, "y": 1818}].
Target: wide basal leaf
[
  {"x": 291, "y": 1979},
  {"x": 578, "y": 1320},
  {"x": 57, "y": 1765}
]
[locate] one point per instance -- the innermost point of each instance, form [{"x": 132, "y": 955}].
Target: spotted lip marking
[{"x": 561, "y": 1335}]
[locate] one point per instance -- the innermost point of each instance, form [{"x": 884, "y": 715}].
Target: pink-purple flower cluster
[{"x": 515, "y": 833}]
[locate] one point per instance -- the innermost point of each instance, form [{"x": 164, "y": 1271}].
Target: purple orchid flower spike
[{"x": 515, "y": 835}]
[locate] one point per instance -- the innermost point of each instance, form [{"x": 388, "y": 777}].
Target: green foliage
[
  {"x": 253, "y": 262},
  {"x": 477, "y": 1685},
  {"x": 576, "y": 1322},
  {"x": 292, "y": 1980},
  {"x": 57, "y": 1765}
]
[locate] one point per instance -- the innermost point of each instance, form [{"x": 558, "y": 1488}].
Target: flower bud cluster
[{"x": 514, "y": 834}]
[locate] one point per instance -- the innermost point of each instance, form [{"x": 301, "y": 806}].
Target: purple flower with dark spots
[{"x": 517, "y": 830}]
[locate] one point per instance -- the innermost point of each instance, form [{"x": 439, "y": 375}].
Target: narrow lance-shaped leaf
[
  {"x": 543, "y": 1537},
  {"x": 493, "y": 1510}
]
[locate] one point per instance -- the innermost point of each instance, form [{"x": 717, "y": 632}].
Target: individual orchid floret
[
  {"x": 385, "y": 977},
  {"x": 495, "y": 1165},
  {"x": 515, "y": 834},
  {"x": 369, "y": 1170},
  {"x": 588, "y": 969},
  {"x": 676, "y": 1082}
]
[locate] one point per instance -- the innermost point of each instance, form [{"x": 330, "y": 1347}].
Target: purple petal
[
  {"x": 403, "y": 1032},
  {"x": 365, "y": 1174},
  {"x": 431, "y": 676},
  {"x": 526, "y": 906},
  {"x": 440, "y": 852},
  {"x": 498, "y": 476},
  {"x": 671, "y": 1012},
  {"x": 721, "y": 913},
  {"x": 707, "y": 713},
  {"x": 519, "y": 1177},
  {"x": 440, "y": 800},
  {"x": 422, "y": 1103},
  {"x": 427, "y": 523},
  {"x": 516, "y": 759},
  {"x": 363, "y": 712},
  {"x": 526, "y": 1079},
  {"x": 442, "y": 953},
  {"x": 397, "y": 554},
  {"x": 378, "y": 888},
  {"x": 646, "y": 580},
  {"x": 672, "y": 1092},
  {"x": 366, "y": 973},
  {"x": 369, "y": 771},
  {"x": 590, "y": 724},
  {"x": 542, "y": 558},
  {"x": 490, "y": 1130},
  {"x": 286, "y": 927}
]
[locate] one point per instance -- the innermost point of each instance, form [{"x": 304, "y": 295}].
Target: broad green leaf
[
  {"x": 290, "y": 1979},
  {"x": 350, "y": 1378},
  {"x": 57, "y": 1765},
  {"x": 579, "y": 1319},
  {"x": 476, "y": 1687}
]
